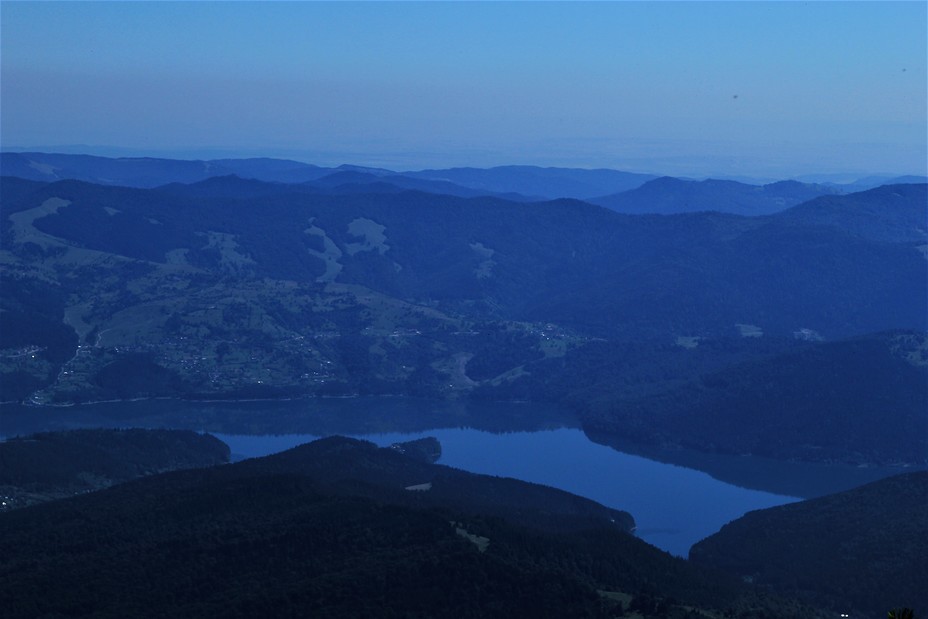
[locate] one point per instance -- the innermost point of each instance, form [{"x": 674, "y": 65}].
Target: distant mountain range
[
  {"x": 650, "y": 194},
  {"x": 668, "y": 195},
  {"x": 534, "y": 181},
  {"x": 513, "y": 182}
]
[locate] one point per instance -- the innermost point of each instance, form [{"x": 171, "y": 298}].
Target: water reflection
[{"x": 318, "y": 416}]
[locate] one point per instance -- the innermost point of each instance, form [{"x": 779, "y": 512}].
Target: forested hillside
[
  {"x": 861, "y": 401},
  {"x": 858, "y": 552},
  {"x": 246, "y": 289},
  {"x": 54, "y": 465},
  {"x": 333, "y": 529}
]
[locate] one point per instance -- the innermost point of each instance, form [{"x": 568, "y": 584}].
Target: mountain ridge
[{"x": 668, "y": 195}]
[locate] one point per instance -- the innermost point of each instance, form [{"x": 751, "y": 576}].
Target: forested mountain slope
[
  {"x": 242, "y": 289},
  {"x": 54, "y": 465},
  {"x": 138, "y": 268},
  {"x": 862, "y": 400},
  {"x": 859, "y": 552}
]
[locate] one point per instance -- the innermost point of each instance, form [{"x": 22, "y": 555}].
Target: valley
[
  {"x": 233, "y": 289},
  {"x": 477, "y": 310},
  {"x": 701, "y": 362}
]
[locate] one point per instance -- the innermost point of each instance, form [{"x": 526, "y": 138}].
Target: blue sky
[{"x": 754, "y": 88}]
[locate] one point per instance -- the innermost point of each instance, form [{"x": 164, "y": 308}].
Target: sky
[{"x": 752, "y": 88}]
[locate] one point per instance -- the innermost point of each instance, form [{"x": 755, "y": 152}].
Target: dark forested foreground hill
[
  {"x": 54, "y": 465},
  {"x": 862, "y": 400},
  {"x": 395, "y": 474},
  {"x": 334, "y": 529},
  {"x": 865, "y": 550}
]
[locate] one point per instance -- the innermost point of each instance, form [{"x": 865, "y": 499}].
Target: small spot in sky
[{"x": 734, "y": 96}]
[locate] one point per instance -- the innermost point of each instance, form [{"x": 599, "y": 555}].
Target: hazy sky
[{"x": 755, "y": 88}]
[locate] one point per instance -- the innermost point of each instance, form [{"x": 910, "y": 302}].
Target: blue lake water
[{"x": 674, "y": 506}]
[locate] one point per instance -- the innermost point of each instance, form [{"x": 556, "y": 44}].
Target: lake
[{"x": 674, "y": 505}]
